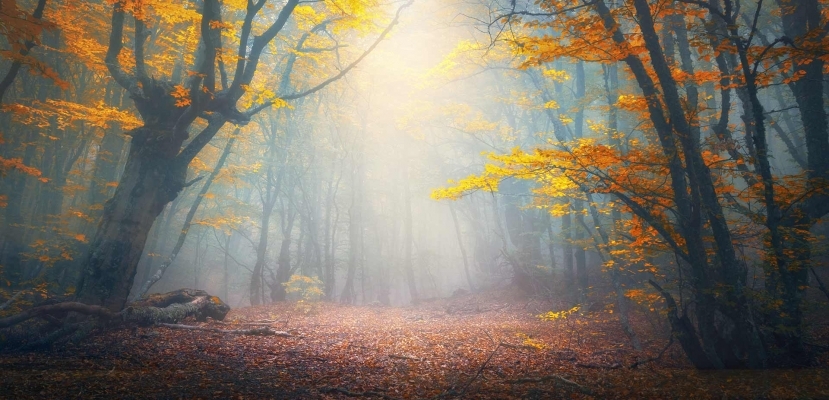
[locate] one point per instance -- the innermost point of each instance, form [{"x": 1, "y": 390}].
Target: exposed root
[
  {"x": 60, "y": 308},
  {"x": 52, "y": 337}
]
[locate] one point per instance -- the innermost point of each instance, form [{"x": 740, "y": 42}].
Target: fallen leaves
[{"x": 492, "y": 350}]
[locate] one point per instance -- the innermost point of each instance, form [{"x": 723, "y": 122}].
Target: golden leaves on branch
[{"x": 67, "y": 113}]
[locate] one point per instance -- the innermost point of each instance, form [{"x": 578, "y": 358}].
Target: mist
[{"x": 563, "y": 179}]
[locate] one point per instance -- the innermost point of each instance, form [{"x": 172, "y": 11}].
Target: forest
[{"x": 425, "y": 199}]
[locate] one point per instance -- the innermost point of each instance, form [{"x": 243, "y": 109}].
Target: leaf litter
[{"x": 471, "y": 346}]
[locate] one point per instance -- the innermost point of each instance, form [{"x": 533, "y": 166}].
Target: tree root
[
  {"x": 52, "y": 337},
  {"x": 60, "y": 308},
  {"x": 264, "y": 331}
]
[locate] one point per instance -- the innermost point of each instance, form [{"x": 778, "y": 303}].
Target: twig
[
  {"x": 264, "y": 331},
  {"x": 518, "y": 346},
  {"x": 489, "y": 336},
  {"x": 599, "y": 366},
  {"x": 196, "y": 179},
  {"x": 821, "y": 286},
  {"x": 355, "y": 394},
  {"x": 640, "y": 362},
  {"x": 480, "y": 369},
  {"x": 555, "y": 378},
  {"x": 13, "y": 298},
  {"x": 404, "y": 357},
  {"x": 570, "y": 355}
]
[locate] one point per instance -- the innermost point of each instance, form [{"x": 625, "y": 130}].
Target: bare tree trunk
[
  {"x": 578, "y": 204},
  {"x": 188, "y": 220},
  {"x": 462, "y": 247},
  {"x": 283, "y": 271},
  {"x": 408, "y": 239},
  {"x": 611, "y": 79},
  {"x": 355, "y": 226}
]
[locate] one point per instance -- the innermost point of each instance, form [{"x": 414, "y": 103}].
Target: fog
[{"x": 616, "y": 157}]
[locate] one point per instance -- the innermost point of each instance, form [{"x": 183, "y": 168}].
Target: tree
[
  {"x": 699, "y": 218},
  {"x": 157, "y": 164}
]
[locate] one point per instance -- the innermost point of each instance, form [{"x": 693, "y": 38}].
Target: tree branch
[
  {"x": 259, "y": 44},
  {"x": 197, "y": 144},
  {"x": 126, "y": 81},
  {"x": 138, "y": 50},
  {"x": 644, "y": 214},
  {"x": 15, "y": 68},
  {"x": 349, "y": 67}
]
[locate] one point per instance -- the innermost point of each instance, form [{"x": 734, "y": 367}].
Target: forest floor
[{"x": 464, "y": 347}]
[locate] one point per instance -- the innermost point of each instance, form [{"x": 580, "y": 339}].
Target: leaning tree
[{"x": 162, "y": 148}]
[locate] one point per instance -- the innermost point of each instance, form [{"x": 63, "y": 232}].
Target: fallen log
[
  {"x": 169, "y": 308},
  {"x": 173, "y": 307}
]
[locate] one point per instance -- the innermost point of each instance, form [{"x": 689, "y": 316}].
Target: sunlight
[{"x": 413, "y": 199}]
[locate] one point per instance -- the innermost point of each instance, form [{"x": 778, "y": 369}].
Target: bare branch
[
  {"x": 194, "y": 147},
  {"x": 653, "y": 222},
  {"x": 259, "y": 44},
  {"x": 11, "y": 300},
  {"x": 343, "y": 72},
  {"x": 241, "y": 55},
  {"x": 141, "y": 35},
  {"x": 15, "y": 68}
]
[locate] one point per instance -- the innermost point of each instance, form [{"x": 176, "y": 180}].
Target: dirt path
[{"x": 454, "y": 348}]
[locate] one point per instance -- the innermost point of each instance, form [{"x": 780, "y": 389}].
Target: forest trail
[{"x": 462, "y": 347}]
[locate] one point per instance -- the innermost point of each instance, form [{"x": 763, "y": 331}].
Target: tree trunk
[
  {"x": 462, "y": 247},
  {"x": 355, "y": 226},
  {"x": 578, "y": 204},
  {"x": 188, "y": 220},
  {"x": 569, "y": 276},
  {"x": 408, "y": 238},
  {"x": 283, "y": 271},
  {"x": 152, "y": 178},
  {"x": 611, "y": 80}
]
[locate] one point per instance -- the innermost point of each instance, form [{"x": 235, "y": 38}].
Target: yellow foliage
[
  {"x": 526, "y": 340},
  {"x": 308, "y": 287},
  {"x": 557, "y": 315}
]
